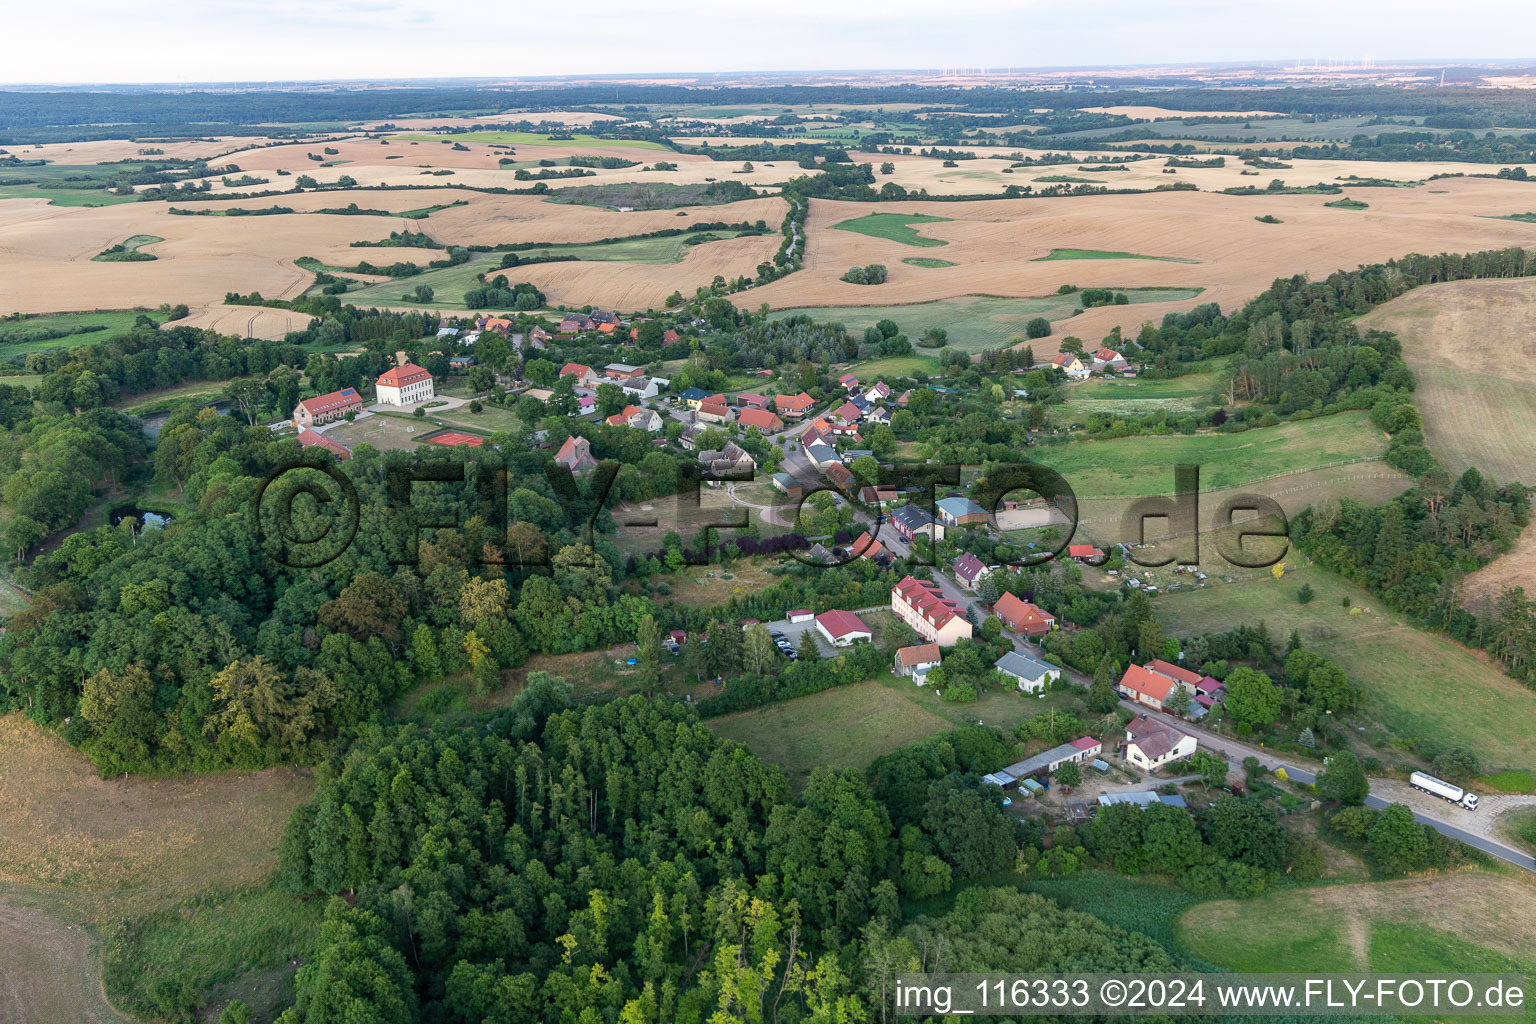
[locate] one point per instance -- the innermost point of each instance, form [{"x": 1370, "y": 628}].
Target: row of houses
[
  {"x": 1154, "y": 683},
  {"x": 1104, "y": 360}
]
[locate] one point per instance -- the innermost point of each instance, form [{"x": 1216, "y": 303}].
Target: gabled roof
[
  {"x": 334, "y": 400},
  {"x": 1014, "y": 609},
  {"x": 839, "y": 475},
  {"x": 1086, "y": 743},
  {"x": 1083, "y": 551},
  {"x": 693, "y": 395},
  {"x": 919, "y": 654},
  {"x": 314, "y": 439},
  {"x": 840, "y": 623},
  {"x": 575, "y": 370},
  {"x": 867, "y": 547},
  {"x": 762, "y": 419},
  {"x": 1172, "y": 671},
  {"x": 794, "y": 403},
  {"x": 848, "y": 412},
  {"x": 1107, "y": 355},
  {"x": 1024, "y": 666},
  {"x": 1064, "y": 359},
  {"x": 1153, "y": 737},
  {"x": 1150, "y": 684},
  {"x": 912, "y": 517},
  {"x": 957, "y": 507},
  {"x": 968, "y": 567}
]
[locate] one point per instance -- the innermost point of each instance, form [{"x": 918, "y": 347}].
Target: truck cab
[{"x": 1469, "y": 801}]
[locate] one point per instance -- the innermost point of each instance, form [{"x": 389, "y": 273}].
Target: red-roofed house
[
  {"x": 1153, "y": 685},
  {"x": 1072, "y": 366},
  {"x": 762, "y": 419},
  {"x": 1089, "y": 746},
  {"x": 848, "y": 413},
  {"x": 404, "y": 385},
  {"x": 1023, "y": 617},
  {"x": 670, "y": 338},
  {"x": 324, "y": 408},
  {"x": 915, "y": 661},
  {"x": 849, "y": 381},
  {"x": 1150, "y": 744},
  {"x": 1081, "y": 552},
  {"x": 576, "y": 455},
  {"x": 714, "y": 410},
  {"x": 750, "y": 401},
  {"x": 1108, "y": 357},
  {"x": 580, "y": 371},
  {"x": 314, "y": 439},
  {"x": 842, "y": 628},
  {"x": 792, "y": 407},
  {"x": 968, "y": 569},
  {"x": 867, "y": 547},
  {"x": 840, "y": 476},
  {"x": 923, "y": 606}
]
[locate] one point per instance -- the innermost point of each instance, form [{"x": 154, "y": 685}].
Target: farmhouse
[
  {"x": 404, "y": 385},
  {"x": 1108, "y": 358},
  {"x": 314, "y": 439},
  {"x": 793, "y": 407},
  {"x": 916, "y": 661},
  {"x": 1072, "y": 366},
  {"x": 1152, "y": 684},
  {"x": 714, "y": 410},
  {"x": 1022, "y": 617},
  {"x": 762, "y": 419},
  {"x": 923, "y": 606},
  {"x": 576, "y": 455},
  {"x": 842, "y": 628},
  {"x": 732, "y": 460},
  {"x": 839, "y": 476},
  {"x": 324, "y": 408},
  {"x": 637, "y": 417},
  {"x": 910, "y": 521},
  {"x": 960, "y": 512},
  {"x": 1030, "y": 673},
  {"x": 968, "y": 570},
  {"x": 574, "y": 322},
  {"x": 580, "y": 371},
  {"x": 1150, "y": 744}
]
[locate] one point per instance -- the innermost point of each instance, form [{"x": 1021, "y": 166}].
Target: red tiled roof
[
  {"x": 848, "y": 412},
  {"x": 840, "y": 623},
  {"x": 794, "y": 403},
  {"x": 1024, "y": 615},
  {"x": 1086, "y": 743},
  {"x": 762, "y": 419},
  {"x": 575, "y": 370},
  {"x": 1173, "y": 671},
  {"x": 868, "y": 547},
  {"x": 400, "y": 376},
  {"x": 927, "y": 600},
  {"x": 1083, "y": 551},
  {"x": 314, "y": 439},
  {"x": 920, "y": 654},
  {"x": 1143, "y": 681},
  {"x": 334, "y": 400}
]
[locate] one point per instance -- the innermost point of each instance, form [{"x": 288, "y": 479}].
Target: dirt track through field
[{"x": 49, "y": 971}]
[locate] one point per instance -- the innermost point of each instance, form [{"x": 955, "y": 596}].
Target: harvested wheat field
[
  {"x": 1470, "y": 344},
  {"x": 647, "y": 285},
  {"x": 50, "y": 971},
  {"x": 136, "y": 843},
  {"x": 245, "y": 321},
  {"x": 997, "y": 244},
  {"x": 109, "y": 150}
]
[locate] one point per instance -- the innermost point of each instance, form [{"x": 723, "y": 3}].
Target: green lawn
[
  {"x": 1135, "y": 466},
  {"x": 974, "y": 322},
  {"x": 532, "y": 139},
  {"x": 927, "y": 263},
  {"x": 845, "y": 727},
  {"x": 1101, "y": 254},
  {"x": 898, "y": 366},
  {"x": 893, "y": 226},
  {"x": 1418, "y": 686}
]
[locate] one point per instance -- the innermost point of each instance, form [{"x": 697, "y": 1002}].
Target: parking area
[{"x": 793, "y": 631}]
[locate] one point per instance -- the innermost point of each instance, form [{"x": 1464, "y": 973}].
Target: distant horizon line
[{"x": 979, "y": 72}]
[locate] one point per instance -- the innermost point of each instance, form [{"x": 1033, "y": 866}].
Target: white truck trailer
[{"x": 1444, "y": 790}]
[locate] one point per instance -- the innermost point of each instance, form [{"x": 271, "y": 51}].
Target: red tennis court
[{"x": 454, "y": 439}]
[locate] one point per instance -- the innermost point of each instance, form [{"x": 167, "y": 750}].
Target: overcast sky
[{"x": 275, "y": 40}]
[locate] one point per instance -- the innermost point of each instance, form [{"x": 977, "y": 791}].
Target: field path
[{"x": 50, "y": 971}]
